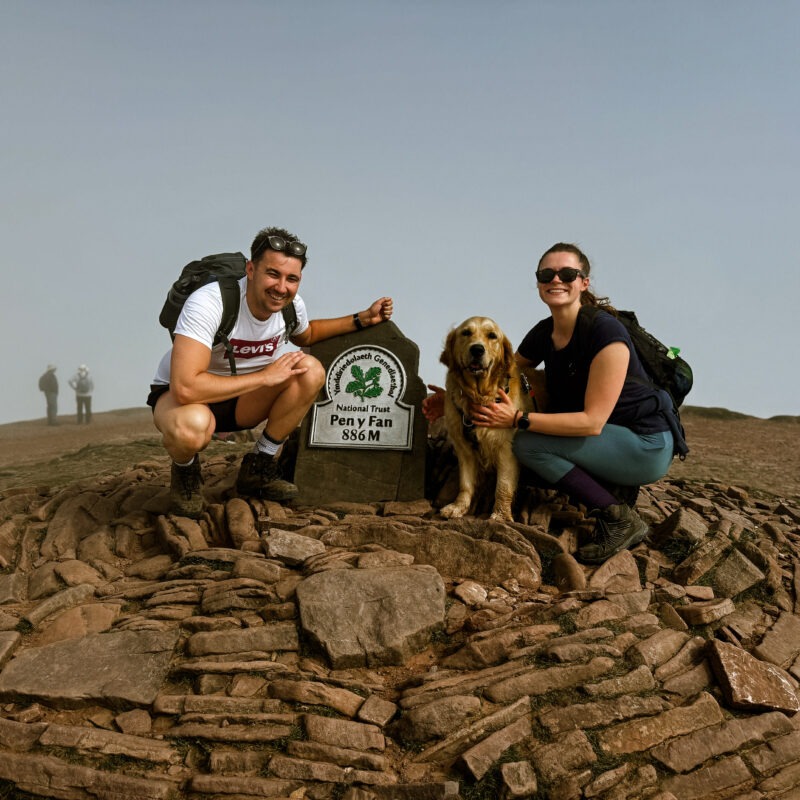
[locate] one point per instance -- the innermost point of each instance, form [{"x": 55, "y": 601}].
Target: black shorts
[{"x": 224, "y": 412}]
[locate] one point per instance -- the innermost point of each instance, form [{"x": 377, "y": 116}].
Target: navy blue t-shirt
[{"x": 567, "y": 370}]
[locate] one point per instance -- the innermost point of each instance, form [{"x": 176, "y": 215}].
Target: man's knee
[
  {"x": 189, "y": 427},
  {"x": 314, "y": 378}
]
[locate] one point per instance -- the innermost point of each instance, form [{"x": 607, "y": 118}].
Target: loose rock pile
[{"x": 379, "y": 651}]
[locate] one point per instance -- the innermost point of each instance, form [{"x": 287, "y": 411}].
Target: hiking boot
[
  {"x": 260, "y": 476},
  {"x": 617, "y": 528},
  {"x": 184, "y": 490}
]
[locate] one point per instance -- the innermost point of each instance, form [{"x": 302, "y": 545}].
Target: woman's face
[{"x": 558, "y": 292}]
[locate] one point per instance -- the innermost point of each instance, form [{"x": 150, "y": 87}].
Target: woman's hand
[
  {"x": 433, "y": 404},
  {"x": 500, "y": 414}
]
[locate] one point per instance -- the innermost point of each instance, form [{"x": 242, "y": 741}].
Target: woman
[{"x": 603, "y": 434}]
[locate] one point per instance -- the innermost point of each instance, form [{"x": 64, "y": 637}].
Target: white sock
[
  {"x": 267, "y": 446},
  {"x": 187, "y": 464}
]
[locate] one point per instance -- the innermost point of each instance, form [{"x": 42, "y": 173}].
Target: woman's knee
[
  {"x": 523, "y": 449},
  {"x": 543, "y": 462}
]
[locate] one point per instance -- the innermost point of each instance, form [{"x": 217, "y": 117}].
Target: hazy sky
[{"x": 427, "y": 150}]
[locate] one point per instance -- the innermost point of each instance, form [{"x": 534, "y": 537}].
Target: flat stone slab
[
  {"x": 280, "y": 636},
  {"x": 735, "y": 574},
  {"x": 781, "y": 645},
  {"x": 642, "y": 734},
  {"x": 46, "y": 776},
  {"x": 751, "y": 684},
  {"x": 291, "y": 548},
  {"x": 687, "y": 752},
  {"x": 119, "y": 669},
  {"x": 368, "y": 617},
  {"x": 451, "y": 553}
]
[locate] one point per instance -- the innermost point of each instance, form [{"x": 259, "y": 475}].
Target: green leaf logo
[{"x": 364, "y": 385}]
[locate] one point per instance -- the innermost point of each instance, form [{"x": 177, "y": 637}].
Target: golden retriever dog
[{"x": 480, "y": 361}]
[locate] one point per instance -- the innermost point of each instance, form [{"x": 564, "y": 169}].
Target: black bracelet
[{"x": 357, "y": 322}]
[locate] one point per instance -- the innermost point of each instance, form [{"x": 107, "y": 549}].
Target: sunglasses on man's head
[
  {"x": 565, "y": 274},
  {"x": 281, "y": 245}
]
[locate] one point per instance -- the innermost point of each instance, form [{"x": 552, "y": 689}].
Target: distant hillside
[
  {"x": 143, "y": 414},
  {"x": 724, "y": 414}
]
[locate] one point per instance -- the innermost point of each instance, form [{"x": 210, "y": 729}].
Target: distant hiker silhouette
[{"x": 48, "y": 384}]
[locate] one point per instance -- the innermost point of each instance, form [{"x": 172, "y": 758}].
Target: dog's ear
[
  {"x": 446, "y": 357},
  {"x": 508, "y": 354}
]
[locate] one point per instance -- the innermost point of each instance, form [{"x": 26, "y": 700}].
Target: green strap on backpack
[{"x": 227, "y": 269}]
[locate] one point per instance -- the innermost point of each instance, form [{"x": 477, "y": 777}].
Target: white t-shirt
[{"x": 255, "y": 343}]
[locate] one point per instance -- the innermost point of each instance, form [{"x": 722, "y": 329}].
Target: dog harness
[{"x": 468, "y": 426}]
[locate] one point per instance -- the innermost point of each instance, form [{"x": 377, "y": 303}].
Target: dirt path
[
  {"x": 32, "y": 441},
  {"x": 34, "y": 453}
]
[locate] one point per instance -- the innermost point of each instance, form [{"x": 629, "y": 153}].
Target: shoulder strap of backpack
[
  {"x": 587, "y": 314},
  {"x": 627, "y": 319},
  {"x": 289, "y": 319},
  {"x": 583, "y": 327},
  {"x": 231, "y": 295},
  {"x": 229, "y": 289}
]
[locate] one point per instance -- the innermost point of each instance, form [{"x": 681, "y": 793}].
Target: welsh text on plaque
[{"x": 363, "y": 410}]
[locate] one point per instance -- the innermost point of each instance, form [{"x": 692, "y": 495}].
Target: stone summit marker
[
  {"x": 364, "y": 385},
  {"x": 364, "y": 440}
]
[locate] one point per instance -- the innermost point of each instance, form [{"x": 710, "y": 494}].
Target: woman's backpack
[{"x": 670, "y": 374}]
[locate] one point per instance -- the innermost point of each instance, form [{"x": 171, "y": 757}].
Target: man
[
  {"x": 83, "y": 385},
  {"x": 194, "y": 393},
  {"x": 48, "y": 383}
]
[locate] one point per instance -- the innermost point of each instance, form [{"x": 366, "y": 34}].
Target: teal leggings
[{"x": 617, "y": 455}]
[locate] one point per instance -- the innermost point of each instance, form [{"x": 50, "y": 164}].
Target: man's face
[{"x": 272, "y": 283}]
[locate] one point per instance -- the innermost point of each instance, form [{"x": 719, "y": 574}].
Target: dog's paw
[
  {"x": 453, "y": 511},
  {"x": 502, "y": 515}
]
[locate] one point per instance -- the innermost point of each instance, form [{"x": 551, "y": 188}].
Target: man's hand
[
  {"x": 283, "y": 368},
  {"x": 380, "y": 311},
  {"x": 433, "y": 404},
  {"x": 320, "y": 329}
]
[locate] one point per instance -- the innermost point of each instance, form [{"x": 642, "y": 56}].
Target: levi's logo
[{"x": 244, "y": 349}]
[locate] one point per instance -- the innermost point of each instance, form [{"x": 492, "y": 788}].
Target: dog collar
[{"x": 468, "y": 429}]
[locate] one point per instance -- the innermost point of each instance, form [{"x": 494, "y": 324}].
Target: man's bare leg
[
  {"x": 259, "y": 475},
  {"x": 282, "y": 406},
  {"x": 185, "y": 431}
]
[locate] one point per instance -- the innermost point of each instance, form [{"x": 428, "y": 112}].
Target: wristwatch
[{"x": 523, "y": 423}]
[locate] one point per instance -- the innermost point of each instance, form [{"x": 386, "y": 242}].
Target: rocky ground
[{"x": 379, "y": 651}]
